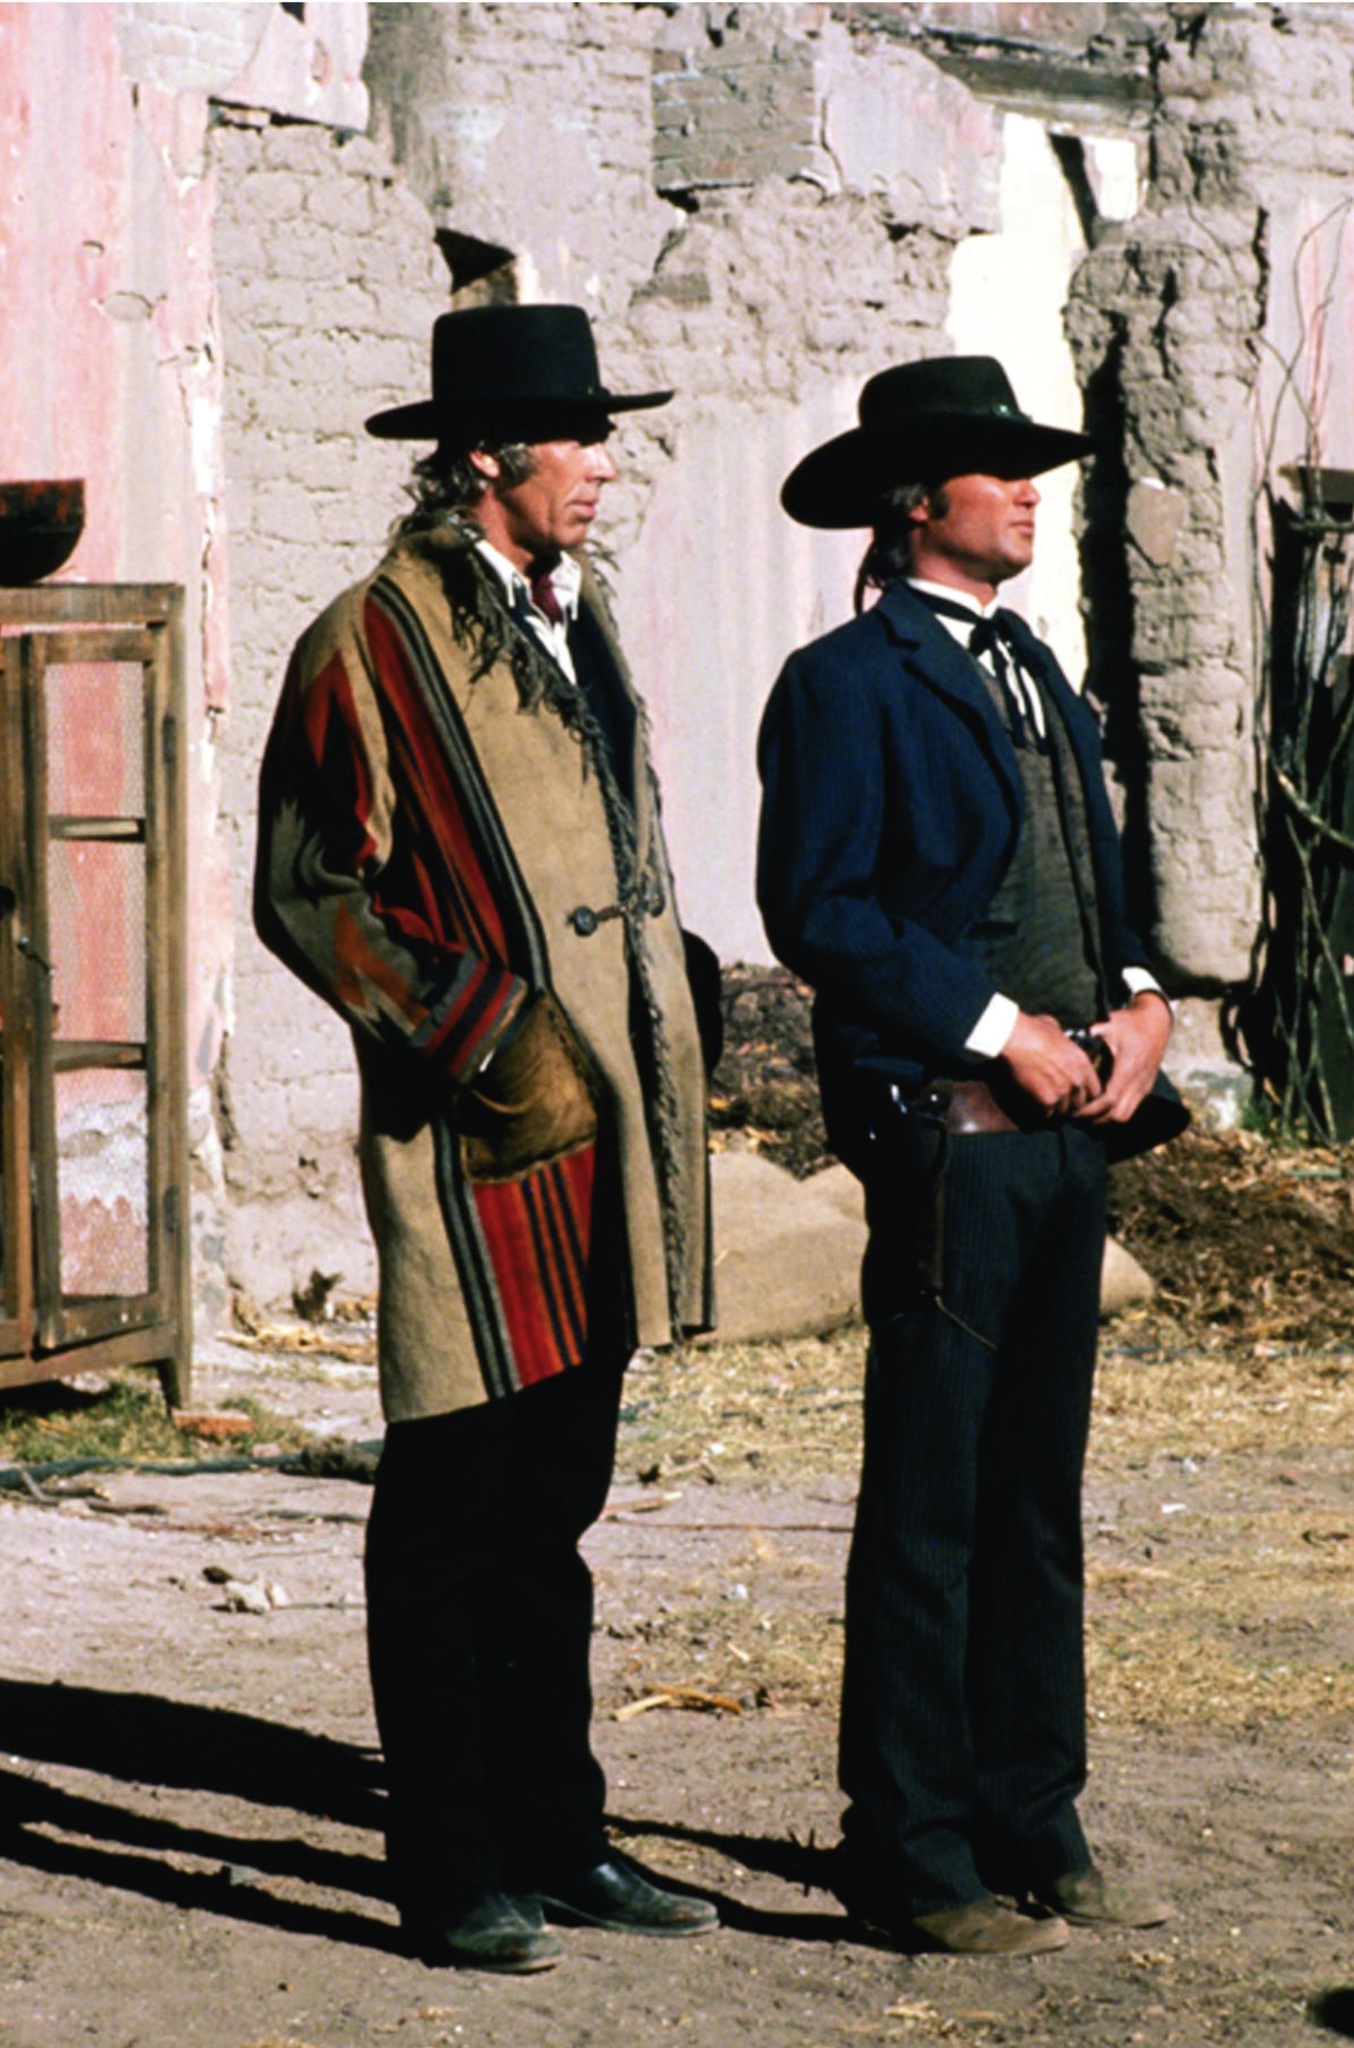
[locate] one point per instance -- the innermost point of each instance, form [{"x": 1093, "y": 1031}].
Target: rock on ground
[
  {"x": 787, "y": 1257},
  {"x": 788, "y": 1251}
]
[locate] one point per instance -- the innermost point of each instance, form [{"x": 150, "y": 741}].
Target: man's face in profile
[
  {"x": 975, "y": 530},
  {"x": 552, "y": 509}
]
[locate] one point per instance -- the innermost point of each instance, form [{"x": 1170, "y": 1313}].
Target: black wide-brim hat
[
  {"x": 529, "y": 372},
  {"x": 921, "y": 423}
]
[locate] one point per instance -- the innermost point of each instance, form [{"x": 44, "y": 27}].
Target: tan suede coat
[{"x": 435, "y": 813}]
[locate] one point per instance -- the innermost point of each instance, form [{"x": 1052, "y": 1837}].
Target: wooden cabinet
[{"x": 94, "y": 1264}]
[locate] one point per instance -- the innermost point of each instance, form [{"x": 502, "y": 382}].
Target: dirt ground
[
  {"x": 191, "y": 1853},
  {"x": 190, "y": 1845}
]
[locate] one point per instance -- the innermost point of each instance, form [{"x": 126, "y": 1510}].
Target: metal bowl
[{"x": 39, "y": 526}]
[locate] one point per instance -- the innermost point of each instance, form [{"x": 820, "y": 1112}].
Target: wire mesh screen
[
  {"x": 95, "y": 739},
  {"x": 102, "y": 1184},
  {"x": 97, "y": 946},
  {"x": 96, "y": 908}
]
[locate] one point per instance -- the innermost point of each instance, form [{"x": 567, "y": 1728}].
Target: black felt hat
[
  {"x": 921, "y": 423},
  {"x": 527, "y": 371}
]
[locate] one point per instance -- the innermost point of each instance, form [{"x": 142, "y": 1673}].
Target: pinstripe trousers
[{"x": 963, "y": 1744}]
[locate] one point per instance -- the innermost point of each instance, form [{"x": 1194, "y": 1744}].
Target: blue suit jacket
[{"x": 892, "y": 805}]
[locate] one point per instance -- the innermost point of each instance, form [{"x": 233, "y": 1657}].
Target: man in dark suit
[{"x": 939, "y": 862}]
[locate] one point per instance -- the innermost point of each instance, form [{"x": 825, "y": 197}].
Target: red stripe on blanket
[
  {"x": 493, "y": 1000},
  {"x": 430, "y": 797},
  {"x": 330, "y": 696},
  {"x": 542, "y": 1297},
  {"x": 568, "y": 1227}
]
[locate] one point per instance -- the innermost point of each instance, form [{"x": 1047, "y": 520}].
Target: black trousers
[
  {"x": 479, "y": 1620},
  {"x": 963, "y": 1746}
]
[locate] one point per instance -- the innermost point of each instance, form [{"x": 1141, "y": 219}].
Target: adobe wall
[
  {"x": 760, "y": 207},
  {"x": 329, "y": 281},
  {"x": 113, "y": 361},
  {"x": 1190, "y": 324},
  {"x": 1143, "y": 210},
  {"x": 107, "y": 325},
  {"x": 329, "y": 278}
]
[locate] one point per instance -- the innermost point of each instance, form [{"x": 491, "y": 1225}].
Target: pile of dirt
[
  {"x": 1251, "y": 1243},
  {"x": 765, "y": 1085}
]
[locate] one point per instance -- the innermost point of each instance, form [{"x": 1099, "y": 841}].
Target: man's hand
[
  {"x": 1137, "y": 1036},
  {"x": 532, "y": 1102},
  {"x": 1051, "y": 1070}
]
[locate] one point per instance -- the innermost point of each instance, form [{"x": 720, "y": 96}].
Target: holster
[{"x": 905, "y": 1194}]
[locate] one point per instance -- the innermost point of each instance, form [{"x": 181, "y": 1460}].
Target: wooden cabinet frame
[{"x": 45, "y": 1330}]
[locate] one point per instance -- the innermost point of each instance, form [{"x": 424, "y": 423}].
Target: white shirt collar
[
  {"x": 947, "y": 590},
  {"x": 1027, "y": 695},
  {"x": 566, "y": 579}
]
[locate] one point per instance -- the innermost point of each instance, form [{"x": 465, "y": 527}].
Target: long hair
[
  {"x": 445, "y": 486},
  {"x": 889, "y": 554}
]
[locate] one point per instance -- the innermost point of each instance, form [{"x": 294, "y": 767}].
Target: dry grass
[
  {"x": 1195, "y": 1403},
  {"x": 754, "y": 1655},
  {"x": 770, "y": 1413},
  {"x": 1230, "y": 1608},
  {"x": 776, "y": 1411},
  {"x": 1234, "y": 1612},
  {"x": 1160, "y": 1674}
]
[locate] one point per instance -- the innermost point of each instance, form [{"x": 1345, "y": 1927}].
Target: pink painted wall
[
  {"x": 111, "y": 364},
  {"x": 96, "y": 347},
  {"x": 105, "y": 291}
]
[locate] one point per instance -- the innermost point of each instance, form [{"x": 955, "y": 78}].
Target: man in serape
[{"x": 460, "y": 850}]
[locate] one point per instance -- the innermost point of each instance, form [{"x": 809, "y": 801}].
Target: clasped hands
[{"x": 1057, "y": 1075}]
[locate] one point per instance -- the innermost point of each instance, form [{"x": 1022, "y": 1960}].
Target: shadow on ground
[
  {"x": 1334, "y": 2010},
  {"x": 145, "y": 1740},
  {"x": 148, "y": 1741},
  {"x": 797, "y": 1863}
]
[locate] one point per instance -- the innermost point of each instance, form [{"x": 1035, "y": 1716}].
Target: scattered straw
[
  {"x": 1229, "y": 1611},
  {"x": 308, "y": 1339},
  {"x": 687, "y": 1698}
]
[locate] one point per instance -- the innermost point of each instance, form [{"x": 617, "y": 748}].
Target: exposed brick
[
  {"x": 329, "y": 280},
  {"x": 772, "y": 294},
  {"x": 737, "y": 113}
]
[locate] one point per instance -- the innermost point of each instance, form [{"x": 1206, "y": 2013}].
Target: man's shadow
[
  {"x": 143, "y": 1739},
  {"x": 803, "y": 1865},
  {"x": 1334, "y": 2010}
]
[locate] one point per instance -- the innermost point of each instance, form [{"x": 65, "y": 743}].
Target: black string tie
[{"x": 987, "y": 638}]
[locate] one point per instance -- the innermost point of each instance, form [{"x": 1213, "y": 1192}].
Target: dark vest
[
  {"x": 601, "y": 685},
  {"x": 1039, "y": 940}
]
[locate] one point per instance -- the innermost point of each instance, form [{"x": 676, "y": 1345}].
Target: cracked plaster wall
[
  {"x": 1201, "y": 320},
  {"x": 110, "y": 337},
  {"x": 757, "y": 211},
  {"x": 760, "y": 206},
  {"x": 329, "y": 282}
]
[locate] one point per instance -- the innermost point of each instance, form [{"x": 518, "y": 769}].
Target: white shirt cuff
[
  {"x": 989, "y": 1035},
  {"x": 1139, "y": 982},
  {"x": 987, "y": 1040}
]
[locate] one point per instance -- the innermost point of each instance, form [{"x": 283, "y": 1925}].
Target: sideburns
[
  {"x": 889, "y": 554},
  {"x": 516, "y": 462}
]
